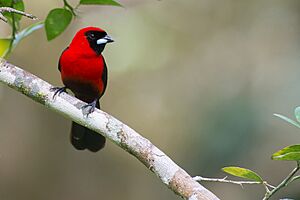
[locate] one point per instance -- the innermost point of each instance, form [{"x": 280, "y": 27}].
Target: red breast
[{"x": 82, "y": 61}]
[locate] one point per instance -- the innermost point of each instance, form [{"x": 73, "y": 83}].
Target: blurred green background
[{"x": 199, "y": 78}]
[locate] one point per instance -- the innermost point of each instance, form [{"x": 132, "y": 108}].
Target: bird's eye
[{"x": 92, "y": 36}]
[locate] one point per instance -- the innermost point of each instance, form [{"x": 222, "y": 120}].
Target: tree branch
[
  {"x": 154, "y": 159},
  {"x": 12, "y": 10}
]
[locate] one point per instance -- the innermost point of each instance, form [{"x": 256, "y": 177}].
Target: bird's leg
[
  {"x": 90, "y": 107},
  {"x": 58, "y": 90}
]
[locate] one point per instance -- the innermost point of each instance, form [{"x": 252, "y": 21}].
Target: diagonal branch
[
  {"x": 154, "y": 159},
  {"x": 12, "y": 10}
]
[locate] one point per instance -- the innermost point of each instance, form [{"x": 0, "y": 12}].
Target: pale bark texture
[
  {"x": 154, "y": 159},
  {"x": 12, "y": 10}
]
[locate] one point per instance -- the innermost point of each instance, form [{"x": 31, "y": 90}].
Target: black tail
[{"x": 84, "y": 138}]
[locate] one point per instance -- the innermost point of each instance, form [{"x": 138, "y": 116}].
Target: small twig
[
  {"x": 269, "y": 185},
  {"x": 240, "y": 183},
  {"x": 12, "y": 10},
  {"x": 293, "y": 179},
  {"x": 224, "y": 180},
  {"x": 69, "y": 7},
  {"x": 284, "y": 183},
  {"x": 266, "y": 187}
]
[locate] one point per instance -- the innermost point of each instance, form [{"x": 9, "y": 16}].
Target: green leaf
[
  {"x": 288, "y": 153},
  {"x": 243, "y": 173},
  {"x": 4, "y": 46},
  {"x": 288, "y": 120},
  {"x": 56, "y": 22},
  {"x": 99, "y": 2}
]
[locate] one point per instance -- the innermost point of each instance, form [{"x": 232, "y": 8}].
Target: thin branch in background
[
  {"x": 12, "y": 10},
  {"x": 13, "y": 24},
  {"x": 290, "y": 178},
  {"x": 294, "y": 178},
  {"x": 225, "y": 180}
]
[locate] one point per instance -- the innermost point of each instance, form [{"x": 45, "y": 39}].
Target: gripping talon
[
  {"x": 89, "y": 108},
  {"x": 58, "y": 90}
]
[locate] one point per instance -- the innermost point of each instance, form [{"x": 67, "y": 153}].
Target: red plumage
[{"x": 83, "y": 71}]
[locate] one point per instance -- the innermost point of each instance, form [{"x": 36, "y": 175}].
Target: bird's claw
[
  {"x": 58, "y": 90},
  {"x": 89, "y": 108}
]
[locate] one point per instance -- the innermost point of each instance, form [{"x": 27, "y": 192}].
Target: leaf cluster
[
  {"x": 289, "y": 153},
  {"x": 57, "y": 20}
]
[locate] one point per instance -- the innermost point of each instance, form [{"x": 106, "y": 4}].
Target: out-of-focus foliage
[
  {"x": 297, "y": 115},
  {"x": 288, "y": 120},
  {"x": 14, "y": 22},
  {"x": 56, "y": 22},
  {"x": 59, "y": 19},
  {"x": 17, "y": 4},
  {"x": 290, "y": 153},
  {"x": 4, "y": 45}
]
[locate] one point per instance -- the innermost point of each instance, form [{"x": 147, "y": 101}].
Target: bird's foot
[
  {"x": 89, "y": 108},
  {"x": 58, "y": 90}
]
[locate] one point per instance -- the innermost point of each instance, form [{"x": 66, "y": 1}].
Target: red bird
[{"x": 83, "y": 71}]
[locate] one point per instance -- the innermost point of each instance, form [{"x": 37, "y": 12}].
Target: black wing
[{"x": 104, "y": 76}]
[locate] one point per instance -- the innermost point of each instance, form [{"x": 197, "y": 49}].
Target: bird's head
[{"x": 91, "y": 38}]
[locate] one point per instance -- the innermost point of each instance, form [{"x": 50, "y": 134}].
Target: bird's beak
[{"x": 104, "y": 40}]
